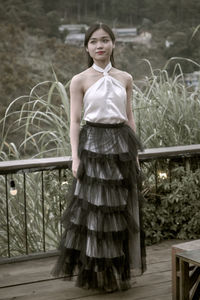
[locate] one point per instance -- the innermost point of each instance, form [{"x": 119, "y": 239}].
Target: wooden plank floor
[{"x": 30, "y": 280}]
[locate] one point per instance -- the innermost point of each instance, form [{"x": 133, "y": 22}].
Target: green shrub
[{"x": 174, "y": 211}]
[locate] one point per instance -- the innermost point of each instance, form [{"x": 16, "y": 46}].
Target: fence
[{"x": 33, "y": 196}]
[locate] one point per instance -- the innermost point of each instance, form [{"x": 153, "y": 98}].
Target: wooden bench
[
  {"x": 188, "y": 275},
  {"x": 186, "y": 270}
]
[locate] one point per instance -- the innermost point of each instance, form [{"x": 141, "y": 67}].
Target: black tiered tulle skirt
[{"x": 103, "y": 238}]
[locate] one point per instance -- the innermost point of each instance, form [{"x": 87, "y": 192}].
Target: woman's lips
[{"x": 100, "y": 52}]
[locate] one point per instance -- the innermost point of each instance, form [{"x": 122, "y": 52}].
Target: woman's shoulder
[
  {"x": 124, "y": 76},
  {"x": 78, "y": 81},
  {"x": 80, "y": 77}
]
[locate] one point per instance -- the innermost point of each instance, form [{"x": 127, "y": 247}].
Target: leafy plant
[
  {"x": 42, "y": 119},
  {"x": 174, "y": 210},
  {"x": 38, "y": 214},
  {"x": 166, "y": 111}
]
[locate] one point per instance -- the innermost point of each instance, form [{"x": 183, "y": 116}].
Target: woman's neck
[{"x": 102, "y": 64}]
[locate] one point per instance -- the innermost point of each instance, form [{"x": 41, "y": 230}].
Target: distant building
[
  {"x": 125, "y": 35},
  {"x": 75, "y": 35},
  {"x": 73, "y": 28},
  {"x": 144, "y": 38},
  {"x": 125, "y": 32},
  {"x": 76, "y": 39}
]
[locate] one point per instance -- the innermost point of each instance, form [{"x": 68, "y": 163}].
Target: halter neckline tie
[{"x": 104, "y": 71}]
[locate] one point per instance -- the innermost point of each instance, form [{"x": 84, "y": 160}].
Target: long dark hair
[{"x": 89, "y": 33}]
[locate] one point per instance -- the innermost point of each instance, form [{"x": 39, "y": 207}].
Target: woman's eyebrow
[{"x": 102, "y": 37}]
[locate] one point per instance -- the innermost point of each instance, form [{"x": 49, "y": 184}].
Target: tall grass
[
  {"x": 166, "y": 110},
  {"x": 41, "y": 123}
]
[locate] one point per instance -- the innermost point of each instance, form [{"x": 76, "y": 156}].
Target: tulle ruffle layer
[{"x": 102, "y": 237}]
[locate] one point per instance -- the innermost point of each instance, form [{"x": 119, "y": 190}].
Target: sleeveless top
[{"x": 105, "y": 100}]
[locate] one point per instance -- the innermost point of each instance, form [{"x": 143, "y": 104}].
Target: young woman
[{"x": 103, "y": 239}]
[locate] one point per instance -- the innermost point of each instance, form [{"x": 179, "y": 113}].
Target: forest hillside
[{"x": 31, "y": 44}]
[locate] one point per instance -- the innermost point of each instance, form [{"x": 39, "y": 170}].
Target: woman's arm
[
  {"x": 76, "y": 99},
  {"x": 129, "y": 90},
  {"x": 129, "y": 110}
]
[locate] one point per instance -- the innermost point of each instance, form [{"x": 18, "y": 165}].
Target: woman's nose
[{"x": 99, "y": 44}]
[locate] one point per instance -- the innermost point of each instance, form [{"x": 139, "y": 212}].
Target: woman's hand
[{"x": 75, "y": 165}]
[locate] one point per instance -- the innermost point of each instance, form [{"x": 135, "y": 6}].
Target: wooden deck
[{"x": 30, "y": 280}]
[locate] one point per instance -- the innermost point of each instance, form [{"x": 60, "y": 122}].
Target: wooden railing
[{"x": 8, "y": 169}]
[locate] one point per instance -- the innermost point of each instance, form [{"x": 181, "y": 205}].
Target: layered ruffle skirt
[{"x": 103, "y": 237}]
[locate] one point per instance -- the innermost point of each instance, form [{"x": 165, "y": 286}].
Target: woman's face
[{"x": 100, "y": 45}]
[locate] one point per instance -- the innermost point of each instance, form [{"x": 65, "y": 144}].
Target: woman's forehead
[{"x": 99, "y": 34}]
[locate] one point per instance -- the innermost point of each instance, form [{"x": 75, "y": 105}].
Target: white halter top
[{"x": 105, "y": 100}]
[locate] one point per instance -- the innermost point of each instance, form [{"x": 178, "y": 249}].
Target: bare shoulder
[
  {"x": 124, "y": 76},
  {"x": 127, "y": 76},
  {"x": 78, "y": 78},
  {"x": 77, "y": 81}
]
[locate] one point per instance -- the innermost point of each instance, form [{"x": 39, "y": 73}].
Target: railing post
[
  {"x": 60, "y": 204},
  {"x": 43, "y": 214},
  {"x": 170, "y": 174},
  {"x": 25, "y": 214},
  {"x": 156, "y": 178},
  {"x": 7, "y": 214},
  {"x": 187, "y": 164}
]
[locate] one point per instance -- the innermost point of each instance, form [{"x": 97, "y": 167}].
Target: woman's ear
[{"x": 86, "y": 49}]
